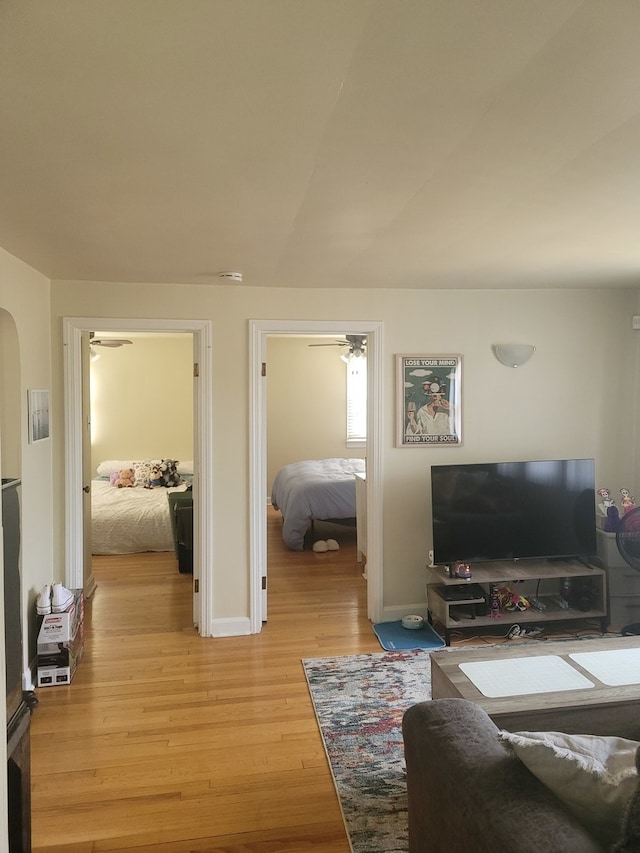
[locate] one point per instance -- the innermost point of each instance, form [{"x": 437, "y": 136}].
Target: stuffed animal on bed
[
  {"x": 164, "y": 474},
  {"x": 155, "y": 478},
  {"x": 126, "y": 479},
  {"x": 169, "y": 472}
]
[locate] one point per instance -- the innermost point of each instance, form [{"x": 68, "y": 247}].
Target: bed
[
  {"x": 131, "y": 520},
  {"x": 314, "y": 489}
]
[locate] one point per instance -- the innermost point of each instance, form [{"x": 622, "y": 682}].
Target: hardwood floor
[{"x": 169, "y": 742}]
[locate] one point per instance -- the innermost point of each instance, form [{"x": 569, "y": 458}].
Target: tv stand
[{"x": 468, "y": 614}]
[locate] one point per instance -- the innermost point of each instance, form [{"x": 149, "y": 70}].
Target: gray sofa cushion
[{"x": 468, "y": 793}]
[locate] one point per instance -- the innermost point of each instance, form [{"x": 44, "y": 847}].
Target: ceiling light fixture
[{"x": 513, "y": 355}]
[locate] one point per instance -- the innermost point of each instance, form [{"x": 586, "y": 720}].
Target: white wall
[
  {"x": 306, "y": 403},
  {"x": 142, "y": 399},
  {"x": 576, "y": 397},
  {"x": 24, "y": 302},
  {"x": 24, "y": 295}
]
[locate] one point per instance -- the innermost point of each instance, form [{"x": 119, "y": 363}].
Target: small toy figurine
[
  {"x": 607, "y": 501},
  {"x": 626, "y": 501}
]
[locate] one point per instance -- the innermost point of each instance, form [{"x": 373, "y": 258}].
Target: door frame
[
  {"x": 259, "y": 331},
  {"x": 73, "y": 329}
]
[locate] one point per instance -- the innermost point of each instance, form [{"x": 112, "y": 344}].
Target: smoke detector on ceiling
[{"x": 231, "y": 276}]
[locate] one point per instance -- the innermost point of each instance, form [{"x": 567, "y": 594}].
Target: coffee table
[{"x": 585, "y": 686}]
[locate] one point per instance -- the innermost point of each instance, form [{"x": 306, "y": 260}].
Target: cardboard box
[
  {"x": 57, "y": 628},
  {"x": 60, "y": 644},
  {"x": 59, "y": 667},
  {"x": 54, "y": 676}
]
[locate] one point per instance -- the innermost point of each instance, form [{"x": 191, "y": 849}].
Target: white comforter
[
  {"x": 314, "y": 488},
  {"x": 127, "y": 521}
]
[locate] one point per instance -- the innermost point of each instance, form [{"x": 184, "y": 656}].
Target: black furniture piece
[
  {"x": 19, "y": 704},
  {"x": 181, "y": 510}
]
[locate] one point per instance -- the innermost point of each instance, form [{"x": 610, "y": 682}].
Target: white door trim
[
  {"x": 258, "y": 332},
  {"x": 73, "y": 327}
]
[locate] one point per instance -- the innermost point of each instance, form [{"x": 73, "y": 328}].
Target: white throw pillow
[
  {"x": 111, "y": 466},
  {"x": 593, "y": 776}
]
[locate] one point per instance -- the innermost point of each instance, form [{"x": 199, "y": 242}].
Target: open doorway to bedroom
[
  {"x": 141, "y": 412},
  {"x": 79, "y": 466},
  {"x": 308, "y": 378},
  {"x": 261, "y": 333}
]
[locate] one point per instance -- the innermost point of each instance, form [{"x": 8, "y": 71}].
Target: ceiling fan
[
  {"x": 111, "y": 343},
  {"x": 356, "y": 343},
  {"x": 107, "y": 342}
]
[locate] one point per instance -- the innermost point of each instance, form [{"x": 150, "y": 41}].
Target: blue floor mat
[{"x": 394, "y": 638}]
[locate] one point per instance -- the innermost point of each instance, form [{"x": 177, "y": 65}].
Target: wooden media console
[{"x": 539, "y": 579}]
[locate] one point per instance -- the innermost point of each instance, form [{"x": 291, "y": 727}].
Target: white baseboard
[
  {"x": 27, "y": 678},
  {"x": 90, "y": 586},
  {"x": 238, "y": 627},
  {"x": 393, "y": 614}
]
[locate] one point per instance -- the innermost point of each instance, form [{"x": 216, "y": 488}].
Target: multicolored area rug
[{"x": 359, "y": 701}]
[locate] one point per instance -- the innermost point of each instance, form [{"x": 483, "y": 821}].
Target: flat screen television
[{"x": 513, "y": 511}]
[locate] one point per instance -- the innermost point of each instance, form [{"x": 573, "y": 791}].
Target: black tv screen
[{"x": 513, "y": 510}]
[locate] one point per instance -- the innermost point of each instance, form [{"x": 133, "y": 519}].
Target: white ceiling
[{"x": 332, "y": 143}]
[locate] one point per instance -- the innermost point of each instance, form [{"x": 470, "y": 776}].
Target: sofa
[{"x": 468, "y": 792}]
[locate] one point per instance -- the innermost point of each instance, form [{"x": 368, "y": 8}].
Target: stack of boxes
[{"x": 60, "y": 643}]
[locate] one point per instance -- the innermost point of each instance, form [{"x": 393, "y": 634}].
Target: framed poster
[
  {"x": 38, "y": 415},
  {"x": 429, "y": 404}
]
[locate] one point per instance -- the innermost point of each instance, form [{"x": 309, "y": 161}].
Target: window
[{"x": 356, "y": 401}]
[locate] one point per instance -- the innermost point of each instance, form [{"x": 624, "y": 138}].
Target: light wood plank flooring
[{"x": 169, "y": 742}]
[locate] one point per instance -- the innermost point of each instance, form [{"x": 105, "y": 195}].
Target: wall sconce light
[{"x": 513, "y": 355}]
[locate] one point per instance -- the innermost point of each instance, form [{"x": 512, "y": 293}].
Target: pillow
[
  {"x": 593, "y": 776},
  {"x": 630, "y": 838},
  {"x": 142, "y": 472},
  {"x": 185, "y": 467},
  {"x": 107, "y": 468}
]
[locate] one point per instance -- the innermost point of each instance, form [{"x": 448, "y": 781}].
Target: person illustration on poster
[{"x": 434, "y": 417}]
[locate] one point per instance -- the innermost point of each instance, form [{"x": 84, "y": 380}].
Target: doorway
[
  {"x": 75, "y": 358},
  {"x": 260, "y": 330}
]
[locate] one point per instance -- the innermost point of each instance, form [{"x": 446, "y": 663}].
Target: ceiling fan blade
[
  {"x": 109, "y": 342},
  {"x": 332, "y": 344}
]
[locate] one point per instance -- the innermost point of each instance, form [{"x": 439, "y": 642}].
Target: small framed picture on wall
[
  {"x": 429, "y": 400},
  {"x": 38, "y": 414}
]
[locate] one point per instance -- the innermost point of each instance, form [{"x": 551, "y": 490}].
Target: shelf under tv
[{"x": 469, "y": 615}]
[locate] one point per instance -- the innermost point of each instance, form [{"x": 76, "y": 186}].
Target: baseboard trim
[
  {"x": 90, "y": 586},
  {"x": 237, "y": 627},
  {"x": 393, "y": 614}
]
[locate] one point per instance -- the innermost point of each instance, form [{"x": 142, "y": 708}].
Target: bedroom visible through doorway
[
  {"x": 78, "y": 474},
  {"x": 300, "y": 377},
  {"x": 313, "y": 371},
  {"x": 141, "y": 411}
]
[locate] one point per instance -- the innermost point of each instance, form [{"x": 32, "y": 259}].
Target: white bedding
[
  {"x": 321, "y": 489},
  {"x": 128, "y": 521}
]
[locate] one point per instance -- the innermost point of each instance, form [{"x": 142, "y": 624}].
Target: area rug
[
  {"x": 359, "y": 701},
  {"x": 394, "y": 637}
]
